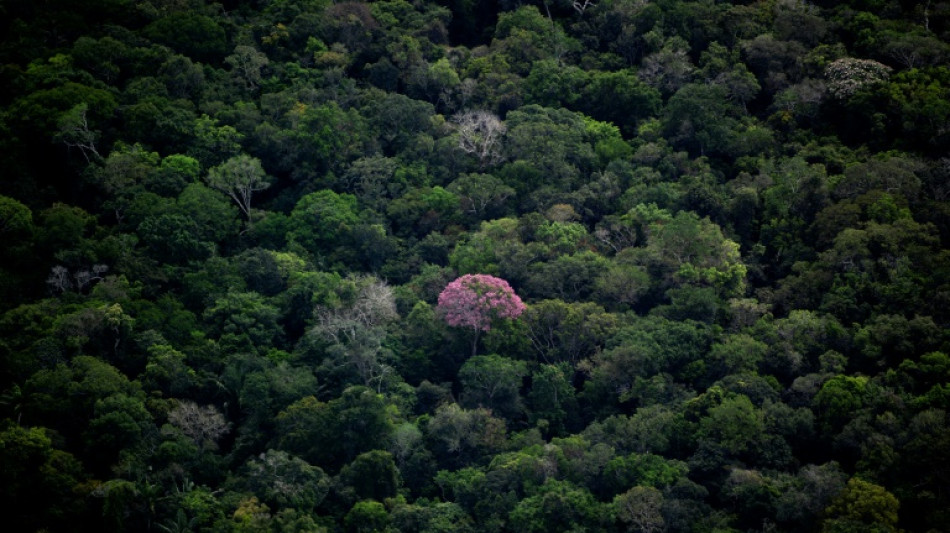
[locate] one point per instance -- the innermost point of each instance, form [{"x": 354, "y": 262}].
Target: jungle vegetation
[{"x": 714, "y": 236}]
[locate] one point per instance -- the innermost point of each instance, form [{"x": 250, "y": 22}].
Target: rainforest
[{"x": 474, "y": 266}]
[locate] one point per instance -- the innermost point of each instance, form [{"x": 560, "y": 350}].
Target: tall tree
[
  {"x": 240, "y": 177},
  {"x": 476, "y": 300}
]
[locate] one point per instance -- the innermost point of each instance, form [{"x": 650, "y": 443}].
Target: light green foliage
[
  {"x": 322, "y": 221},
  {"x": 214, "y": 143},
  {"x": 15, "y": 218},
  {"x": 366, "y": 517},
  {"x": 244, "y": 320},
  {"x": 485, "y": 249},
  {"x": 167, "y": 371},
  {"x": 840, "y": 399},
  {"x": 561, "y": 237},
  {"x": 687, "y": 249},
  {"x": 735, "y": 424},
  {"x": 646, "y": 470},
  {"x": 559, "y": 505},
  {"x": 553, "y": 141},
  {"x": 174, "y": 173},
  {"x": 239, "y": 177},
  {"x": 736, "y": 354},
  {"x": 524, "y": 36},
  {"x": 862, "y": 506}
]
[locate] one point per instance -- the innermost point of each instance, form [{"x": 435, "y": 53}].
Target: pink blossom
[{"x": 475, "y": 300}]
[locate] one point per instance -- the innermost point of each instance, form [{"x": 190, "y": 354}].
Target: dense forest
[{"x": 504, "y": 266}]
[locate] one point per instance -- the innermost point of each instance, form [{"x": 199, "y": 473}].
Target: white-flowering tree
[
  {"x": 202, "y": 424},
  {"x": 480, "y": 134},
  {"x": 356, "y": 328},
  {"x": 848, "y": 75}
]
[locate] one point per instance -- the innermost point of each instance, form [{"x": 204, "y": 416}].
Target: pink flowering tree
[{"x": 476, "y": 300}]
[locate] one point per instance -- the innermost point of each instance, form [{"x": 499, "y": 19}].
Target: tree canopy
[{"x": 446, "y": 265}]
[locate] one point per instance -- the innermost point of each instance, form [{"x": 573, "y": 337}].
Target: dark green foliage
[{"x": 224, "y": 229}]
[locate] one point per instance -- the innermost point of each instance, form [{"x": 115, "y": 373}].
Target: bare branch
[
  {"x": 480, "y": 134},
  {"x": 580, "y": 7}
]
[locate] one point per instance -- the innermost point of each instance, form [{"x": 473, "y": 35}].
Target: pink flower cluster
[{"x": 474, "y": 300}]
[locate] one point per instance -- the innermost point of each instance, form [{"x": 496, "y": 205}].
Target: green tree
[
  {"x": 552, "y": 399},
  {"x": 197, "y": 36},
  {"x": 640, "y": 509},
  {"x": 493, "y": 382},
  {"x": 840, "y": 399},
  {"x": 244, "y": 320},
  {"x": 862, "y": 506},
  {"x": 285, "y": 481},
  {"x": 559, "y": 505},
  {"x": 481, "y": 196},
  {"x": 645, "y": 470},
  {"x": 322, "y": 221},
  {"x": 366, "y": 516},
  {"x": 172, "y": 238},
  {"x": 38, "y": 481},
  {"x": 329, "y": 434},
  {"x": 687, "y": 249},
  {"x": 246, "y": 64},
  {"x": 370, "y": 476},
  {"x": 239, "y": 177},
  {"x": 621, "y": 98},
  {"x": 15, "y": 218},
  {"x": 735, "y": 424},
  {"x": 119, "y": 424},
  {"x": 213, "y": 144},
  {"x": 524, "y": 36},
  {"x": 460, "y": 436},
  {"x": 568, "y": 332},
  {"x": 552, "y": 141}
]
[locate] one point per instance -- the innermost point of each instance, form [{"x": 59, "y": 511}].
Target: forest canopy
[{"x": 624, "y": 265}]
